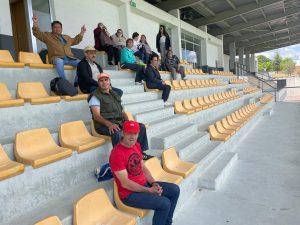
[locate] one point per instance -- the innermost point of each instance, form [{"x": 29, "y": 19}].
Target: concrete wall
[
  {"x": 6, "y": 36},
  {"x": 226, "y": 62},
  {"x": 212, "y": 55}
]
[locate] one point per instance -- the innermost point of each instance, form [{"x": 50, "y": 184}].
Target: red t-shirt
[{"x": 130, "y": 159}]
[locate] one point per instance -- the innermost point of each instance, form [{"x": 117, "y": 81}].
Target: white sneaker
[
  {"x": 168, "y": 104},
  {"x": 139, "y": 83}
]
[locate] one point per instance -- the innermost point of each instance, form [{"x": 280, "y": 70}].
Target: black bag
[{"x": 61, "y": 86}]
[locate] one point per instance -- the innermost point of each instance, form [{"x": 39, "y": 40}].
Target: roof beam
[
  {"x": 266, "y": 40},
  {"x": 254, "y": 35},
  {"x": 175, "y": 4},
  {"x": 232, "y": 13},
  {"x": 252, "y": 23}
]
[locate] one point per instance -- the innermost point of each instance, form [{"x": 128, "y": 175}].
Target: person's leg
[
  {"x": 166, "y": 92},
  {"x": 140, "y": 55},
  {"x": 146, "y": 58},
  {"x": 173, "y": 73},
  {"x": 140, "y": 75},
  {"x": 110, "y": 53},
  {"x": 143, "y": 200},
  {"x": 182, "y": 72},
  {"x": 142, "y": 138},
  {"x": 59, "y": 63},
  {"x": 74, "y": 63},
  {"x": 93, "y": 88},
  {"x": 115, "y": 137},
  {"x": 118, "y": 91},
  {"x": 172, "y": 192},
  {"x": 116, "y": 55}
]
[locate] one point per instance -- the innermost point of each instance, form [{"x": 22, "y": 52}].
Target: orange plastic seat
[
  {"x": 37, "y": 148},
  {"x": 95, "y": 208},
  {"x": 203, "y": 104},
  {"x": 150, "y": 89},
  {"x": 179, "y": 109},
  {"x": 53, "y": 220},
  {"x": 9, "y": 168},
  {"x": 173, "y": 164},
  {"x": 35, "y": 93},
  {"x": 183, "y": 84},
  {"x": 187, "y": 105},
  {"x": 125, "y": 208},
  {"x": 195, "y": 104},
  {"x": 7, "y": 61},
  {"x": 94, "y": 132},
  {"x": 33, "y": 60},
  {"x": 6, "y": 99},
  {"x": 157, "y": 172},
  {"x": 222, "y": 130},
  {"x": 189, "y": 84},
  {"x": 216, "y": 136},
  {"x": 77, "y": 97},
  {"x": 74, "y": 135},
  {"x": 176, "y": 85},
  {"x": 227, "y": 126}
]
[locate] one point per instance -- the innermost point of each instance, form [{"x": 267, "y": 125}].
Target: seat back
[
  {"x": 53, "y": 220},
  {"x": 93, "y": 208},
  {"x": 175, "y": 84},
  {"x": 154, "y": 166},
  {"x": 30, "y": 57},
  {"x": 5, "y": 56},
  {"x": 4, "y": 92},
  {"x": 178, "y": 106},
  {"x": 187, "y": 104},
  {"x": 130, "y": 116},
  {"x": 169, "y": 157},
  {"x": 73, "y": 131},
  {"x": 28, "y": 90},
  {"x": 3, "y": 156},
  {"x": 33, "y": 142},
  {"x": 182, "y": 84}
]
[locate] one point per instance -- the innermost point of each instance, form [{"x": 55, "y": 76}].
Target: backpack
[
  {"x": 62, "y": 86},
  {"x": 103, "y": 173}
]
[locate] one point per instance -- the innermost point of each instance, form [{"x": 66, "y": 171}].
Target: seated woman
[
  {"x": 154, "y": 81},
  {"x": 136, "y": 46},
  {"x": 103, "y": 42},
  {"x": 145, "y": 49},
  {"x": 119, "y": 42},
  {"x": 128, "y": 61}
]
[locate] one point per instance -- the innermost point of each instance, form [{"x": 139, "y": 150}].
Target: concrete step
[
  {"x": 120, "y": 74},
  {"x": 217, "y": 173},
  {"x": 135, "y": 98},
  {"x": 190, "y": 145},
  {"x": 153, "y": 115},
  {"x": 130, "y": 89},
  {"x": 173, "y": 136},
  {"x": 122, "y": 81},
  {"x": 143, "y": 106},
  {"x": 62, "y": 205}
]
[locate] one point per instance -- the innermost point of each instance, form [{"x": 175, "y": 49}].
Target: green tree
[
  {"x": 288, "y": 65},
  {"x": 264, "y": 63},
  {"x": 276, "y": 62}
]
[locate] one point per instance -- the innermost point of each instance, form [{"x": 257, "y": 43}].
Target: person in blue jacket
[{"x": 154, "y": 81}]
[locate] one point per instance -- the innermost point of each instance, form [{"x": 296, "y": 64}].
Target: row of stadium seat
[
  {"x": 222, "y": 73},
  {"x": 237, "y": 81},
  {"x": 189, "y": 106},
  {"x": 228, "y": 126},
  {"x": 34, "y": 93},
  {"x": 250, "y": 89},
  {"x": 266, "y": 99}
]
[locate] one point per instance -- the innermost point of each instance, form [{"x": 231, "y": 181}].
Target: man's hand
[
  {"x": 35, "y": 20},
  {"x": 156, "y": 189},
  {"x": 113, "y": 128},
  {"x": 83, "y": 30},
  {"x": 163, "y": 82}
]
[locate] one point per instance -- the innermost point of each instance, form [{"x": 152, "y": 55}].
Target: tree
[
  {"x": 264, "y": 63},
  {"x": 288, "y": 65},
  {"x": 276, "y": 62}
]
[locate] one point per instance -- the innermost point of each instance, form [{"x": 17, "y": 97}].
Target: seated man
[
  {"x": 172, "y": 65},
  {"x": 88, "y": 70},
  {"x": 136, "y": 186},
  {"x": 128, "y": 61},
  {"x": 108, "y": 114},
  {"x": 154, "y": 81},
  {"x": 58, "y": 44}
]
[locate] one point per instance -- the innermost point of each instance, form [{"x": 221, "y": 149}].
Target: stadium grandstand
[{"x": 227, "y": 135}]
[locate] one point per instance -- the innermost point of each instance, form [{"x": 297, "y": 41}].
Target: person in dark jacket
[
  {"x": 163, "y": 43},
  {"x": 88, "y": 70},
  {"x": 154, "y": 81}
]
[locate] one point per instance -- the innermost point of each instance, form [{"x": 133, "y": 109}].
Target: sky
[{"x": 292, "y": 51}]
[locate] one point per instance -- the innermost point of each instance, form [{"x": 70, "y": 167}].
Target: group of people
[{"x": 136, "y": 186}]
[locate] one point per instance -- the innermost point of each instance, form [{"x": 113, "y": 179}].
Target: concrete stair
[
  {"x": 143, "y": 106},
  {"x": 140, "y": 97},
  {"x": 150, "y": 116}
]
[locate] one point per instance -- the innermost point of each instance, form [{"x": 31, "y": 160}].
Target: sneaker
[
  {"x": 146, "y": 157},
  {"x": 139, "y": 83},
  {"x": 97, "y": 172},
  {"x": 110, "y": 63},
  {"x": 168, "y": 104}
]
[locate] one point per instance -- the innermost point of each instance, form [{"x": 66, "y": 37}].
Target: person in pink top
[{"x": 136, "y": 187}]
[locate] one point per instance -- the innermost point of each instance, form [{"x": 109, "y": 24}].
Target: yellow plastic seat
[
  {"x": 125, "y": 208},
  {"x": 9, "y": 168},
  {"x": 176, "y": 85},
  {"x": 187, "y": 105},
  {"x": 68, "y": 67},
  {"x": 216, "y": 136},
  {"x": 75, "y": 136},
  {"x": 222, "y": 130},
  {"x": 77, "y": 97},
  {"x": 6, "y": 99},
  {"x": 183, "y": 84},
  {"x": 157, "y": 172},
  {"x": 189, "y": 84},
  {"x": 179, "y": 109},
  {"x": 232, "y": 123},
  {"x": 95, "y": 208},
  {"x": 195, "y": 104},
  {"x": 173, "y": 164},
  {"x": 194, "y": 83},
  {"x": 37, "y": 148},
  {"x": 169, "y": 83},
  {"x": 33, "y": 60},
  {"x": 7, "y": 61},
  {"x": 35, "y": 93},
  {"x": 227, "y": 126},
  {"x": 203, "y": 104},
  {"x": 149, "y": 89},
  {"x": 53, "y": 220},
  {"x": 94, "y": 132}
]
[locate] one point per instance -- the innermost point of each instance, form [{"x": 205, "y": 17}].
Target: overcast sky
[{"x": 292, "y": 51}]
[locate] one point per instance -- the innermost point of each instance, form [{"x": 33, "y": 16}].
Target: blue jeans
[
  {"x": 59, "y": 63},
  {"x": 140, "y": 74},
  {"x": 163, "y": 205},
  {"x": 116, "y": 136}
]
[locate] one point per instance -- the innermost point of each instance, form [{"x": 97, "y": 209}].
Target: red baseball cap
[
  {"x": 102, "y": 75},
  {"x": 131, "y": 126}
]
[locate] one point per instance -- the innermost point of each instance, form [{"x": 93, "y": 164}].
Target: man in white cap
[{"x": 88, "y": 70}]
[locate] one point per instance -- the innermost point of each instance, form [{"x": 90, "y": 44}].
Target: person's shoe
[
  {"x": 110, "y": 63},
  {"x": 168, "y": 104},
  {"x": 146, "y": 157},
  {"x": 97, "y": 172},
  {"x": 184, "y": 78},
  {"x": 139, "y": 83}
]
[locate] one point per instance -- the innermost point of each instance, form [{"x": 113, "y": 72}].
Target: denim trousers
[
  {"x": 163, "y": 205},
  {"x": 116, "y": 136},
  {"x": 59, "y": 63},
  {"x": 164, "y": 87},
  {"x": 140, "y": 74}
]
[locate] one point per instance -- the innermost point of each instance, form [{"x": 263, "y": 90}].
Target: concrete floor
[{"x": 264, "y": 185}]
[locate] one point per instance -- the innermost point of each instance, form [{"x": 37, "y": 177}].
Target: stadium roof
[{"x": 257, "y": 25}]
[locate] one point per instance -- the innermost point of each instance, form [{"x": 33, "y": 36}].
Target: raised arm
[{"x": 36, "y": 30}]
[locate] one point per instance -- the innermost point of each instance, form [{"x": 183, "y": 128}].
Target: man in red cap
[
  {"x": 136, "y": 187},
  {"x": 109, "y": 116}
]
